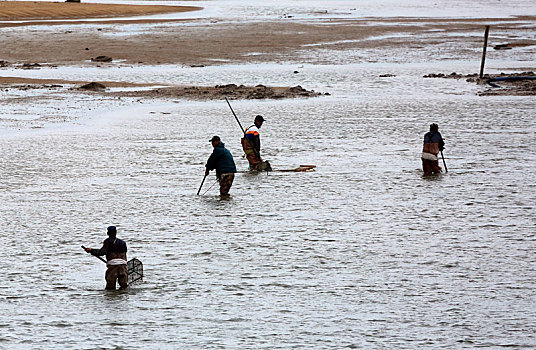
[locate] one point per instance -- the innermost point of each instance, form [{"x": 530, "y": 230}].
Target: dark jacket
[
  {"x": 221, "y": 160},
  {"x": 434, "y": 137},
  {"x": 113, "y": 248}
]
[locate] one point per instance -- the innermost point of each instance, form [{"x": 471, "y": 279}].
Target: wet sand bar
[{"x": 26, "y": 10}]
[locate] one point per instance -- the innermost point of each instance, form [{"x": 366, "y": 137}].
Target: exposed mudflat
[
  {"x": 231, "y": 91},
  {"x": 219, "y": 92},
  {"x": 515, "y": 84}
]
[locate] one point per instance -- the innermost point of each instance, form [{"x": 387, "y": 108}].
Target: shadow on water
[{"x": 433, "y": 177}]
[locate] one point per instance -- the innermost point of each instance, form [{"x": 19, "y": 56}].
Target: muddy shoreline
[
  {"x": 502, "y": 84},
  {"x": 211, "y": 42},
  {"x": 158, "y": 90},
  {"x": 218, "y": 92},
  {"x": 205, "y": 42}
]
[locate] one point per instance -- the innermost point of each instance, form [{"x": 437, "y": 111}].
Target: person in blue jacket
[
  {"x": 221, "y": 160},
  {"x": 432, "y": 145}
]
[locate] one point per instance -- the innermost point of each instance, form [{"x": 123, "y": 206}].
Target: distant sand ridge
[
  {"x": 27, "y": 10},
  {"x": 213, "y": 41}
]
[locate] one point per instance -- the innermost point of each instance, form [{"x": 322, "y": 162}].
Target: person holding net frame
[{"x": 115, "y": 250}]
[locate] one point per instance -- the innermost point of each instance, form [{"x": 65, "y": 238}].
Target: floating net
[{"x": 134, "y": 270}]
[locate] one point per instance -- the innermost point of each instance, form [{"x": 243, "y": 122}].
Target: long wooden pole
[
  {"x": 100, "y": 258},
  {"x": 445, "y": 164},
  {"x": 486, "y": 33},
  {"x": 202, "y": 182},
  {"x": 244, "y": 131}
]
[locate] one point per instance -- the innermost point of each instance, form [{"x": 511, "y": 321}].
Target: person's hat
[
  {"x": 214, "y": 138},
  {"x": 112, "y": 230},
  {"x": 259, "y": 118}
]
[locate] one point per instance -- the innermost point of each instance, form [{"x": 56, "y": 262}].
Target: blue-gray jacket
[
  {"x": 434, "y": 137},
  {"x": 221, "y": 160}
]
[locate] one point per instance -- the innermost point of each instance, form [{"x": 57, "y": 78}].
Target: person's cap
[
  {"x": 112, "y": 229},
  {"x": 214, "y": 138},
  {"x": 259, "y": 118}
]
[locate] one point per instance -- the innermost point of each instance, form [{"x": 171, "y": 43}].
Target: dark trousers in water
[
  {"x": 254, "y": 161},
  {"x": 430, "y": 166},
  {"x": 226, "y": 181},
  {"x": 114, "y": 273}
]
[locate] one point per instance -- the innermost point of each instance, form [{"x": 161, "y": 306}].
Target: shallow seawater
[{"x": 363, "y": 253}]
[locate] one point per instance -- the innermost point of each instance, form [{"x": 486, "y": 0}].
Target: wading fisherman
[
  {"x": 251, "y": 144},
  {"x": 433, "y": 144},
  {"x": 115, "y": 250},
  {"x": 221, "y": 160}
]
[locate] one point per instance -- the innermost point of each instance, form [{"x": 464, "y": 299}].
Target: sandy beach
[
  {"x": 27, "y": 10},
  {"x": 75, "y": 33},
  {"x": 200, "y": 43},
  {"x": 205, "y": 42}
]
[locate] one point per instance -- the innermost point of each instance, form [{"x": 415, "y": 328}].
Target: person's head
[
  {"x": 259, "y": 120},
  {"x": 111, "y": 231},
  {"x": 434, "y": 127},
  {"x": 215, "y": 140}
]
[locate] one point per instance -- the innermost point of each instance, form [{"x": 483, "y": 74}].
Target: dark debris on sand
[
  {"x": 93, "y": 86},
  {"x": 518, "y": 87},
  {"x": 231, "y": 91}
]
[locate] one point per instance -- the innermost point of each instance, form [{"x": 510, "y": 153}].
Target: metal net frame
[{"x": 134, "y": 271}]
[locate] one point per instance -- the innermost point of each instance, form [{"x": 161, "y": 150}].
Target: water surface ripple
[{"x": 363, "y": 253}]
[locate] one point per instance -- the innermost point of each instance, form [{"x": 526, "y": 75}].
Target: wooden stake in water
[
  {"x": 244, "y": 131},
  {"x": 484, "y": 52}
]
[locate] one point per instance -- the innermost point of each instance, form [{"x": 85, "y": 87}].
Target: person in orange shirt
[{"x": 251, "y": 144}]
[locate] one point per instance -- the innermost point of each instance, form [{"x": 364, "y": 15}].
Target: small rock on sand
[
  {"x": 93, "y": 86},
  {"x": 502, "y": 47},
  {"x": 31, "y": 65},
  {"x": 101, "y": 59}
]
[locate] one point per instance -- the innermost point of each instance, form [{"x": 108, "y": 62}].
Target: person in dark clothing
[
  {"x": 433, "y": 144},
  {"x": 115, "y": 250},
  {"x": 221, "y": 160}
]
